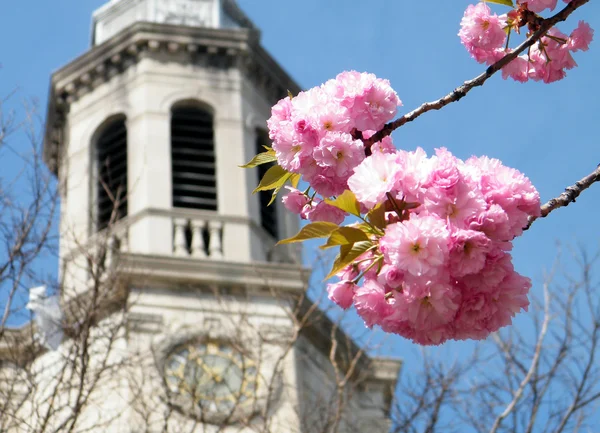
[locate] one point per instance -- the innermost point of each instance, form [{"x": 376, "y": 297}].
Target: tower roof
[{"x": 116, "y": 15}]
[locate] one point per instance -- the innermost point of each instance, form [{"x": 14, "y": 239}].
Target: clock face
[{"x": 214, "y": 376}]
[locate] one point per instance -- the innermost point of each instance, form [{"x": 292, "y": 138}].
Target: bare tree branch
[{"x": 569, "y": 196}]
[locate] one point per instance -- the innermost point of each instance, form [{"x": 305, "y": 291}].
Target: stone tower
[{"x": 145, "y": 133}]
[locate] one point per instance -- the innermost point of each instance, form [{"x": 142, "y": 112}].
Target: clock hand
[{"x": 211, "y": 372}]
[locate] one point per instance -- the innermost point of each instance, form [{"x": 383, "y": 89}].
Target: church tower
[{"x": 145, "y": 133}]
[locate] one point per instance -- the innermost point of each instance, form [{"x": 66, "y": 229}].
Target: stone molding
[
  {"x": 177, "y": 270},
  {"x": 213, "y": 48}
]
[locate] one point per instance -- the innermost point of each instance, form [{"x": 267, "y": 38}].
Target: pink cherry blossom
[
  {"x": 371, "y": 303},
  {"x": 325, "y": 212},
  {"x": 539, "y": 5},
  {"x": 484, "y": 36},
  {"x": 517, "y": 69},
  {"x": 460, "y": 210},
  {"x": 581, "y": 37},
  {"x": 468, "y": 252},
  {"x": 325, "y": 182},
  {"x": 418, "y": 246},
  {"x": 281, "y": 115},
  {"x": 377, "y": 105},
  {"x": 435, "y": 308},
  {"x": 292, "y": 154},
  {"x": 349, "y": 273},
  {"x": 340, "y": 152},
  {"x": 494, "y": 222},
  {"x": 390, "y": 276},
  {"x": 414, "y": 170},
  {"x": 295, "y": 200},
  {"x": 342, "y": 293},
  {"x": 445, "y": 173},
  {"x": 471, "y": 318},
  {"x": 481, "y": 32},
  {"x": 331, "y": 116},
  {"x": 550, "y": 58},
  {"x": 509, "y": 189},
  {"x": 373, "y": 178},
  {"x": 498, "y": 265}
]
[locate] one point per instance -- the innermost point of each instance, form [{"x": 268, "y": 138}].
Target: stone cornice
[
  {"x": 221, "y": 48},
  {"x": 232, "y": 8},
  {"x": 161, "y": 269}
]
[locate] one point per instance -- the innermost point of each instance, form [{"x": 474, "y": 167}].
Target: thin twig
[
  {"x": 534, "y": 364},
  {"x": 461, "y": 91},
  {"x": 569, "y": 196}
]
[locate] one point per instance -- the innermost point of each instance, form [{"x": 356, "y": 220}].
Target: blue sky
[{"x": 549, "y": 132}]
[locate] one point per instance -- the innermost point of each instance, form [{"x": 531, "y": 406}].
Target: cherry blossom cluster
[
  {"x": 444, "y": 269},
  {"x": 485, "y": 37},
  {"x": 312, "y": 133},
  {"x": 435, "y": 265}
]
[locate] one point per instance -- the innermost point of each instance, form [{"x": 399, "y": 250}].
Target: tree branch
[
  {"x": 461, "y": 91},
  {"x": 534, "y": 364},
  {"x": 569, "y": 196}
]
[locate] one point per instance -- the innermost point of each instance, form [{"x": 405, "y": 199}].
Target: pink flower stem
[
  {"x": 376, "y": 261},
  {"x": 397, "y": 209}
]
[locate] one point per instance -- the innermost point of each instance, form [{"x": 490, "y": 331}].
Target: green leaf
[
  {"x": 274, "y": 195},
  {"x": 502, "y": 2},
  {"x": 376, "y": 216},
  {"x": 345, "y": 236},
  {"x": 349, "y": 253},
  {"x": 273, "y": 178},
  {"x": 319, "y": 229},
  {"x": 346, "y": 202},
  {"x": 295, "y": 180},
  {"x": 261, "y": 158}
]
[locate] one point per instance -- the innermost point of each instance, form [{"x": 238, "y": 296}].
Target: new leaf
[
  {"x": 345, "y": 236},
  {"x": 376, "y": 216},
  {"x": 274, "y": 177},
  {"x": 502, "y": 2},
  {"x": 319, "y": 229},
  {"x": 261, "y": 158},
  {"x": 346, "y": 202},
  {"x": 348, "y": 254}
]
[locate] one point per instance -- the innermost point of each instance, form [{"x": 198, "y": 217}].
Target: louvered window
[
  {"x": 193, "y": 159},
  {"x": 268, "y": 214},
  {"x": 111, "y": 153}
]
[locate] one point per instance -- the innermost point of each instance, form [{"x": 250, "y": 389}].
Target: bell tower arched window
[
  {"x": 111, "y": 164},
  {"x": 268, "y": 214},
  {"x": 193, "y": 158}
]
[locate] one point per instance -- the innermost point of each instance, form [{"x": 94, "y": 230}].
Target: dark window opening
[
  {"x": 193, "y": 159},
  {"x": 111, "y": 152},
  {"x": 268, "y": 214}
]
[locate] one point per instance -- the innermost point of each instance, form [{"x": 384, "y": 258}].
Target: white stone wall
[
  {"x": 144, "y": 94},
  {"x": 253, "y": 323}
]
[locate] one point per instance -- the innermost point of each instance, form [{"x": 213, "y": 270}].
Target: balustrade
[{"x": 198, "y": 238}]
